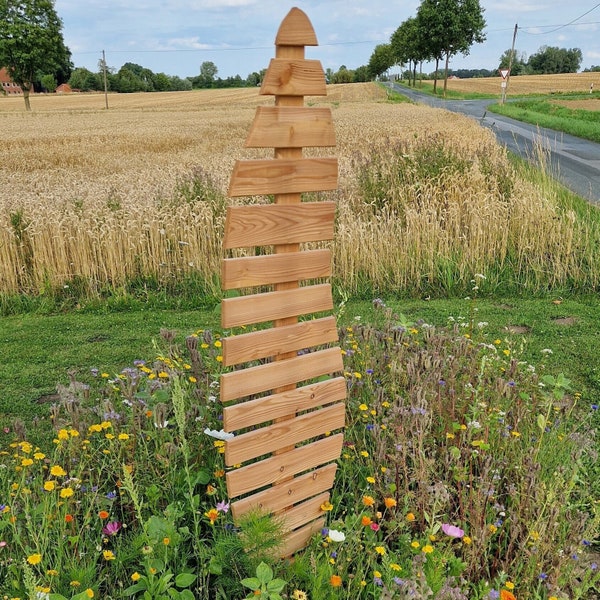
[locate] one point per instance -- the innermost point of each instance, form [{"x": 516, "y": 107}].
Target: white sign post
[{"x": 505, "y": 73}]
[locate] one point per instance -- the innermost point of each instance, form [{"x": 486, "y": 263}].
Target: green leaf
[
  {"x": 202, "y": 477},
  {"x": 184, "y": 580},
  {"x": 57, "y": 597},
  {"x": 541, "y": 422},
  {"x": 276, "y": 585},
  {"x": 264, "y": 573},
  {"x": 214, "y": 566},
  {"x": 140, "y": 586},
  {"x": 186, "y": 595},
  {"x": 455, "y": 452},
  {"x": 251, "y": 582}
]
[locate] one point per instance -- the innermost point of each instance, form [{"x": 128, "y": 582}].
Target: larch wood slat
[
  {"x": 259, "y": 308},
  {"x": 280, "y": 467},
  {"x": 285, "y": 494},
  {"x": 300, "y": 538},
  {"x": 304, "y": 513},
  {"x": 252, "y": 271},
  {"x": 283, "y": 434},
  {"x": 289, "y": 77},
  {"x": 284, "y": 404},
  {"x": 291, "y": 127},
  {"x": 267, "y": 224},
  {"x": 271, "y": 376},
  {"x": 296, "y": 30},
  {"x": 283, "y": 176},
  {"x": 255, "y": 345}
]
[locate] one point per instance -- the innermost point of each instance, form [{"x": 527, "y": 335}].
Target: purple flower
[
  {"x": 111, "y": 495},
  {"x": 223, "y": 506},
  {"x": 112, "y": 528},
  {"x": 594, "y": 407},
  {"x": 494, "y": 595},
  {"x": 378, "y": 581},
  {"x": 452, "y": 530}
]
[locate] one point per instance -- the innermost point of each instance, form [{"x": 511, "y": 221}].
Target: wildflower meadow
[{"x": 466, "y": 473}]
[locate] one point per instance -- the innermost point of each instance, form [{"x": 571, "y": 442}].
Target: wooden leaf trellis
[{"x": 285, "y": 401}]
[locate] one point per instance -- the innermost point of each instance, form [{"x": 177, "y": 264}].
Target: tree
[
  {"x": 83, "y": 79},
  {"x": 31, "y": 43},
  {"x": 208, "y": 72},
  {"x": 550, "y": 59},
  {"x": 381, "y": 60},
  {"x": 408, "y": 45},
  {"x": 518, "y": 65}
]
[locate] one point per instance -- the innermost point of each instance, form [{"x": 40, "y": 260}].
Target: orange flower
[
  {"x": 365, "y": 521},
  {"x": 368, "y": 500},
  {"x": 335, "y": 581},
  {"x": 389, "y": 502},
  {"x": 68, "y": 518},
  {"x": 103, "y": 514},
  {"x": 506, "y": 595}
]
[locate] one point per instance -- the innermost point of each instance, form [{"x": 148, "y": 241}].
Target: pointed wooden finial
[{"x": 296, "y": 30}]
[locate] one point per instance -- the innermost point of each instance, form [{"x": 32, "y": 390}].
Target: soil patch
[
  {"x": 565, "y": 320},
  {"x": 592, "y": 104},
  {"x": 519, "y": 329}
]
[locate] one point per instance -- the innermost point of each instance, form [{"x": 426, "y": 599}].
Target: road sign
[{"x": 504, "y": 73}]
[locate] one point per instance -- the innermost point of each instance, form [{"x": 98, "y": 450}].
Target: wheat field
[{"x": 108, "y": 195}]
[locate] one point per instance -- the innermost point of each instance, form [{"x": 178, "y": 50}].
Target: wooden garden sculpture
[{"x": 286, "y": 405}]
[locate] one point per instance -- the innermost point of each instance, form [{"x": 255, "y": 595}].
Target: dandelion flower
[
  {"x": 49, "y": 485},
  {"x": 389, "y": 502},
  {"x": 509, "y": 585},
  {"x": 135, "y": 576},
  {"x": 410, "y": 517},
  {"x": 427, "y": 549},
  {"x": 57, "y": 471},
  {"x": 34, "y": 559},
  {"x": 66, "y": 492},
  {"x": 335, "y": 581},
  {"x": 108, "y": 555},
  {"x": 368, "y": 500},
  {"x": 380, "y": 550}
]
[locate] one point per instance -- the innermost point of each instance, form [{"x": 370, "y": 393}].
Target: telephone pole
[
  {"x": 510, "y": 61},
  {"x": 105, "y": 81}
]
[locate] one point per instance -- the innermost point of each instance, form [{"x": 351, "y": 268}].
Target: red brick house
[
  {"x": 63, "y": 88},
  {"x": 7, "y": 87}
]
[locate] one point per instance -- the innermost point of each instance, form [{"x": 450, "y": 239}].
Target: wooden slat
[
  {"x": 304, "y": 513},
  {"x": 283, "y": 434},
  {"x": 270, "y": 376},
  {"x": 283, "y": 176},
  {"x": 300, "y": 538},
  {"x": 291, "y": 127},
  {"x": 281, "y": 467},
  {"x": 251, "y": 271},
  {"x": 296, "y": 30},
  {"x": 259, "y": 308},
  {"x": 286, "y": 77},
  {"x": 285, "y": 494},
  {"x": 267, "y": 224},
  {"x": 270, "y": 342},
  {"x": 284, "y": 404}
]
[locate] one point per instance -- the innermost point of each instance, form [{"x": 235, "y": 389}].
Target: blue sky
[{"x": 176, "y": 36}]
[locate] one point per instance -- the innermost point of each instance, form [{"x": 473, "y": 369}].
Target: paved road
[{"x": 571, "y": 160}]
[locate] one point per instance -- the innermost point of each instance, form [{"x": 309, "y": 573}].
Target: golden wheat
[{"x": 96, "y": 194}]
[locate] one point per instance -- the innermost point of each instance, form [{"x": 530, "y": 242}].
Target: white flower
[
  {"x": 546, "y": 351},
  {"x": 336, "y": 536},
  {"x": 220, "y": 435}
]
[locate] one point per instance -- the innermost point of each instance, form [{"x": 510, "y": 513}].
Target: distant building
[
  {"x": 7, "y": 86},
  {"x": 63, "y": 88}
]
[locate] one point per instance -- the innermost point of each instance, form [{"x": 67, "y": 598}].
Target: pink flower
[
  {"x": 452, "y": 530},
  {"x": 374, "y": 526},
  {"x": 112, "y": 528}
]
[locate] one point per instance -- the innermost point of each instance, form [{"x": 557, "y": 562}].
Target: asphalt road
[{"x": 572, "y": 161}]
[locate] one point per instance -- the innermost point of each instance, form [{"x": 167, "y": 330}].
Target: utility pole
[
  {"x": 105, "y": 81},
  {"x": 510, "y": 61}
]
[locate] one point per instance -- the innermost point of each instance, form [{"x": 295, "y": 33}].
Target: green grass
[
  {"x": 38, "y": 351},
  {"x": 581, "y": 123}
]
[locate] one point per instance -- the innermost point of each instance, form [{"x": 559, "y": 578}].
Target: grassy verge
[
  {"x": 38, "y": 351},
  {"x": 581, "y": 123}
]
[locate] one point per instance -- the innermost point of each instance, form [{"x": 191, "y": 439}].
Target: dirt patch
[
  {"x": 47, "y": 398},
  {"x": 519, "y": 329},
  {"x": 565, "y": 321},
  {"x": 592, "y": 104}
]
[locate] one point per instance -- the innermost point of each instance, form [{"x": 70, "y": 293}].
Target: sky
[{"x": 176, "y": 36}]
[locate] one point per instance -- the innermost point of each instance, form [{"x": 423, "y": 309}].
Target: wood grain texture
[
  {"x": 300, "y": 538},
  {"x": 252, "y": 271},
  {"x": 283, "y": 404},
  {"x": 256, "y": 345},
  {"x": 296, "y": 30},
  {"x": 283, "y": 176},
  {"x": 291, "y": 127},
  {"x": 304, "y": 512},
  {"x": 268, "y": 224},
  {"x": 259, "y": 308},
  {"x": 272, "y": 376},
  {"x": 289, "y": 77},
  {"x": 284, "y": 434},
  {"x": 280, "y": 496},
  {"x": 281, "y": 467}
]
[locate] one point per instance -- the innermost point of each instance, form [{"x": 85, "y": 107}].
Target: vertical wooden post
[{"x": 285, "y": 404}]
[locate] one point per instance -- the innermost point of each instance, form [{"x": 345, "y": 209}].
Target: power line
[{"x": 559, "y": 27}]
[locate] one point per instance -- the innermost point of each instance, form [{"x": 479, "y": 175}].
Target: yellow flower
[
  {"x": 380, "y": 550},
  {"x": 106, "y": 425},
  {"x": 66, "y": 492},
  {"x": 75, "y": 583},
  {"x": 364, "y": 454},
  {"x": 428, "y": 549},
  {"x": 34, "y": 559},
  {"x": 410, "y": 516},
  {"x": 108, "y": 555},
  {"x": 62, "y": 434},
  {"x": 135, "y": 576},
  {"x": 395, "y": 567},
  {"x": 39, "y": 456},
  {"x": 27, "y": 462},
  {"x": 299, "y": 595},
  {"x": 166, "y": 541},
  {"x": 450, "y": 436},
  {"x": 466, "y": 539},
  {"x": 377, "y": 574},
  {"x": 89, "y": 593},
  {"x": 192, "y": 379},
  {"x": 492, "y": 529},
  {"x": 109, "y": 436},
  {"x": 509, "y": 585},
  {"x": 370, "y": 479},
  {"x": 363, "y": 407},
  {"x": 326, "y": 506},
  {"x": 415, "y": 545},
  {"x": 49, "y": 485},
  {"x": 123, "y": 437},
  {"x": 368, "y": 500},
  {"x": 52, "y": 572},
  {"x": 96, "y": 427}
]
